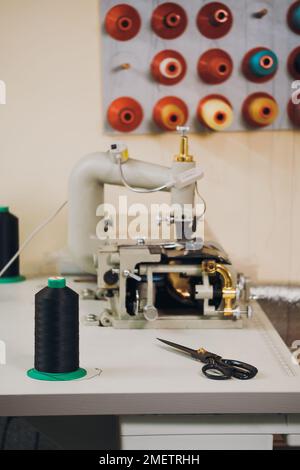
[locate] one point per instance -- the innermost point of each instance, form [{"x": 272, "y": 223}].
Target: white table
[{"x": 141, "y": 379}]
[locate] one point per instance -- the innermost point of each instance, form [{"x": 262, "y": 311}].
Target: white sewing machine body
[{"x": 178, "y": 283}]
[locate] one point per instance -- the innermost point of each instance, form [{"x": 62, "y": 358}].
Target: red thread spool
[
  {"x": 294, "y": 113},
  {"x": 125, "y": 114},
  {"x": 215, "y": 66},
  {"x": 294, "y": 63},
  {"x": 122, "y": 22},
  {"x": 168, "y": 67},
  {"x": 169, "y": 20},
  {"x": 214, "y": 20},
  {"x": 170, "y": 112}
]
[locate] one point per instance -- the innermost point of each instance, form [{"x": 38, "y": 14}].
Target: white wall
[{"x": 50, "y": 61}]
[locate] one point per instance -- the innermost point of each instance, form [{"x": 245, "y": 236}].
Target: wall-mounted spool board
[{"x": 127, "y": 63}]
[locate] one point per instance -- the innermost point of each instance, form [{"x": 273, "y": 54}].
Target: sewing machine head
[{"x": 180, "y": 282}]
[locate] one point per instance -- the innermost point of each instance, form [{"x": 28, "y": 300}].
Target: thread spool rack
[{"x": 128, "y": 64}]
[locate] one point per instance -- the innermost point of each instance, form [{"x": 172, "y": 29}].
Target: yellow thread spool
[
  {"x": 263, "y": 111},
  {"x": 215, "y": 113}
]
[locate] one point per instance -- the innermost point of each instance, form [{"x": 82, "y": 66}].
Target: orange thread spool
[
  {"x": 214, "y": 20},
  {"x": 170, "y": 112},
  {"x": 215, "y": 66},
  {"x": 168, "y": 67},
  {"x": 169, "y": 20},
  {"x": 125, "y": 114},
  {"x": 122, "y": 22}
]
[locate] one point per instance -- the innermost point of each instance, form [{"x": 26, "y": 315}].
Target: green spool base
[
  {"x": 56, "y": 377},
  {"x": 12, "y": 280}
]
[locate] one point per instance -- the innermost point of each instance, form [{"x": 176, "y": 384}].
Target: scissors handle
[
  {"x": 215, "y": 370},
  {"x": 225, "y": 369},
  {"x": 240, "y": 370}
]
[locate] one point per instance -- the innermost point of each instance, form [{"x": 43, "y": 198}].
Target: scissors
[{"x": 217, "y": 368}]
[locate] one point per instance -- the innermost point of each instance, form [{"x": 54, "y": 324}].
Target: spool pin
[{"x": 261, "y": 13}]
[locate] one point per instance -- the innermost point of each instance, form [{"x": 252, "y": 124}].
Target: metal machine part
[{"x": 159, "y": 286}]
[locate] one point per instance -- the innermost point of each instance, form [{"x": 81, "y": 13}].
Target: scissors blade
[{"x": 178, "y": 346}]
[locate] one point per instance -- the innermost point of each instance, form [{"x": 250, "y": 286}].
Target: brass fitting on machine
[
  {"x": 229, "y": 291},
  {"x": 184, "y": 146}
]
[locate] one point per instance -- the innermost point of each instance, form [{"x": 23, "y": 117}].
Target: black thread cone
[
  {"x": 56, "y": 330},
  {"x": 9, "y": 242}
]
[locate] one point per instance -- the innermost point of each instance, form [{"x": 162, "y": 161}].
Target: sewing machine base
[
  {"x": 179, "y": 323},
  {"x": 164, "y": 286},
  {"x": 105, "y": 319}
]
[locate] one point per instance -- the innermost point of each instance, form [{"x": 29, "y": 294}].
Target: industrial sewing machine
[{"x": 178, "y": 283}]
